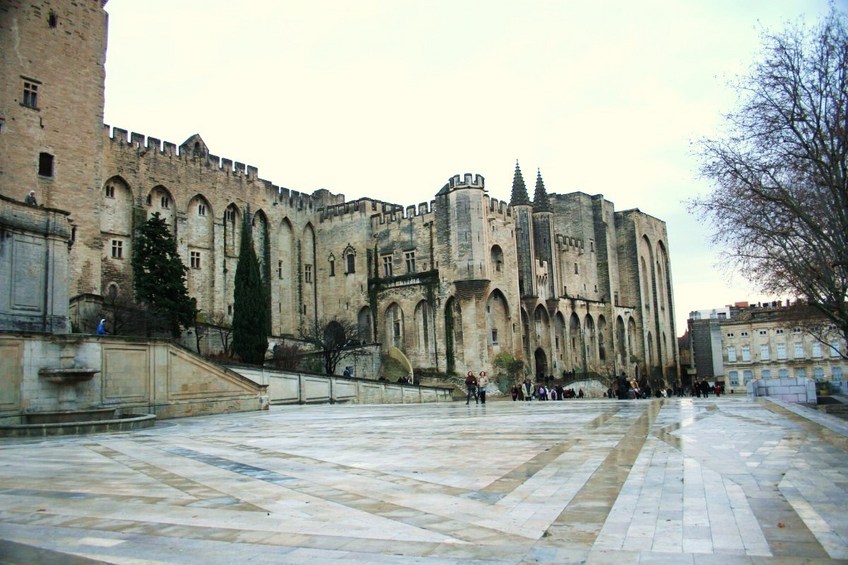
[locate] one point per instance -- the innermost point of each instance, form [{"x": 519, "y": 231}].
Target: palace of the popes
[{"x": 563, "y": 281}]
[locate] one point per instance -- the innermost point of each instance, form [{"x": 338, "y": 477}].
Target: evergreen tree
[
  {"x": 159, "y": 275},
  {"x": 250, "y": 306}
]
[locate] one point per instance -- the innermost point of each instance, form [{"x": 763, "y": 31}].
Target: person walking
[
  {"x": 482, "y": 383},
  {"x": 101, "y": 327},
  {"x": 471, "y": 387},
  {"x": 528, "y": 389},
  {"x": 30, "y": 199}
]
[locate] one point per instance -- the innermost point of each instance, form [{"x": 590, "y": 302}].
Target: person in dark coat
[{"x": 471, "y": 387}]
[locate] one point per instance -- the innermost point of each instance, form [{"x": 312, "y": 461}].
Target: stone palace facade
[{"x": 563, "y": 281}]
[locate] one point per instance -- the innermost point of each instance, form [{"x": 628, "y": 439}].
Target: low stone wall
[
  {"x": 799, "y": 389},
  {"x": 304, "y": 388},
  {"x": 133, "y": 376}
]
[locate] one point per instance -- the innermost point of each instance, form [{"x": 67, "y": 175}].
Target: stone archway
[{"x": 541, "y": 364}]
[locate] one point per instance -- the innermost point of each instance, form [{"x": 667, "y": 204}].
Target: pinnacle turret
[
  {"x": 540, "y": 197},
  {"x": 519, "y": 191}
]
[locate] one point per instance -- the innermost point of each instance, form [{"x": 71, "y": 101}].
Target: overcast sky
[{"x": 389, "y": 98}]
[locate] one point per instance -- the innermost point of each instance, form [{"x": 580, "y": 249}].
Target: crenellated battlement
[
  {"x": 346, "y": 210},
  {"x": 468, "y": 180},
  {"x": 568, "y": 241},
  {"x": 146, "y": 144},
  {"x": 392, "y": 213},
  {"x": 380, "y": 212},
  {"x": 294, "y": 199},
  {"x": 498, "y": 207}
]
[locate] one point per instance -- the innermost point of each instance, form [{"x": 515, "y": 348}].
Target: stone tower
[
  {"x": 522, "y": 211},
  {"x": 543, "y": 236},
  {"x": 52, "y": 57},
  {"x": 463, "y": 223}
]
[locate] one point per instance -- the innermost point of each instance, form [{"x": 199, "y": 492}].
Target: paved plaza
[{"x": 693, "y": 481}]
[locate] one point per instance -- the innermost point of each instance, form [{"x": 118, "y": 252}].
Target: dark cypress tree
[
  {"x": 250, "y": 305},
  {"x": 159, "y": 275}
]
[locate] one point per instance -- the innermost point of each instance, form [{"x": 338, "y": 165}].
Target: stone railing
[
  {"x": 305, "y": 388},
  {"x": 789, "y": 389}
]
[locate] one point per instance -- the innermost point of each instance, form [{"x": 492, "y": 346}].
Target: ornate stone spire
[
  {"x": 540, "y": 198},
  {"x": 519, "y": 191}
]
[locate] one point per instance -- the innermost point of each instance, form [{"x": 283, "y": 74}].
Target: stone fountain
[{"x": 71, "y": 416}]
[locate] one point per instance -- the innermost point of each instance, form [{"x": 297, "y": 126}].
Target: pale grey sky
[{"x": 390, "y": 98}]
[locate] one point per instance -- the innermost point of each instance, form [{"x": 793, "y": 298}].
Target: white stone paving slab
[{"x": 692, "y": 481}]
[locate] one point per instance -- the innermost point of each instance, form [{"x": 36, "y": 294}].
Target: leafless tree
[
  {"x": 218, "y": 322},
  {"x": 333, "y": 338},
  {"x": 811, "y": 321},
  {"x": 779, "y": 206},
  {"x": 287, "y": 356}
]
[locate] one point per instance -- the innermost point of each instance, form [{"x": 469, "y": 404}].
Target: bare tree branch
[
  {"x": 780, "y": 200},
  {"x": 333, "y": 338}
]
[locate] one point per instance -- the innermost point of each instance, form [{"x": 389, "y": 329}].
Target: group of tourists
[
  {"x": 631, "y": 390},
  {"x": 528, "y": 391},
  {"x": 704, "y": 388},
  {"x": 546, "y": 390},
  {"x": 476, "y": 387}
]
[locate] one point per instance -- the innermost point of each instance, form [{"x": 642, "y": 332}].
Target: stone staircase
[{"x": 835, "y": 405}]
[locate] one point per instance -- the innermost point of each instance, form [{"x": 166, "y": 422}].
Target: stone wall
[
  {"x": 789, "y": 389},
  {"x": 286, "y": 387},
  {"x": 131, "y": 375}
]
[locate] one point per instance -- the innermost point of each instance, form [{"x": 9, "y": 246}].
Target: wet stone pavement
[{"x": 693, "y": 481}]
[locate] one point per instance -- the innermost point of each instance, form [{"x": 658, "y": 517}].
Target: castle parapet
[
  {"x": 119, "y": 135},
  {"x": 499, "y": 207},
  {"x": 568, "y": 241},
  {"x": 192, "y": 151},
  {"x": 467, "y": 180},
  {"x": 295, "y": 199}
]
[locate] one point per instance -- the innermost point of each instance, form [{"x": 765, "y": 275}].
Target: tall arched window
[
  {"x": 349, "y": 255},
  {"x": 394, "y": 325}
]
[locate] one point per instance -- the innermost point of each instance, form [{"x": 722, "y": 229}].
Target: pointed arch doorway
[{"x": 541, "y": 364}]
